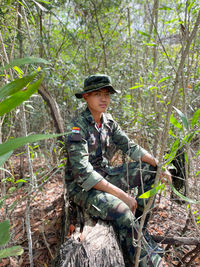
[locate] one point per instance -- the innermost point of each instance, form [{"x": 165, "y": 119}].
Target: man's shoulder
[
  {"x": 108, "y": 119},
  {"x": 79, "y": 121}
]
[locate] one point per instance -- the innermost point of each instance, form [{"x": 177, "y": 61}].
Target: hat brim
[{"x": 109, "y": 87}]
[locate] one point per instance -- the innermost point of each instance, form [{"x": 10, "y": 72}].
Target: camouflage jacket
[{"x": 88, "y": 147}]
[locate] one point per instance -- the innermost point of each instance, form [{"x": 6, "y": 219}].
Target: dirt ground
[{"x": 168, "y": 218}]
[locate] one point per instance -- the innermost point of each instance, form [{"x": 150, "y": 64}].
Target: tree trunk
[{"x": 95, "y": 244}]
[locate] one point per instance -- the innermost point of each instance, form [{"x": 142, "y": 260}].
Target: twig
[{"x": 46, "y": 243}]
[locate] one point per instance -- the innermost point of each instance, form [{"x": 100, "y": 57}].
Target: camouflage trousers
[{"x": 107, "y": 207}]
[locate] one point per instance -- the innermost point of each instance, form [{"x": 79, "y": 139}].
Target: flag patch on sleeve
[{"x": 75, "y": 130}]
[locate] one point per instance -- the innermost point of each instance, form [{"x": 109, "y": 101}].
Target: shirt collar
[{"x": 105, "y": 117}]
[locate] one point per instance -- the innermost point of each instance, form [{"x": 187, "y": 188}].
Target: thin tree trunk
[{"x": 33, "y": 182}]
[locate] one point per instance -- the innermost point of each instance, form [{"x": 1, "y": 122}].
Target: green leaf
[
  {"x": 171, "y": 133},
  {"x": 137, "y": 86},
  {"x": 165, "y": 8},
  {"x": 20, "y": 181},
  {"x": 183, "y": 118},
  {"x": 189, "y": 200},
  {"x": 21, "y": 141},
  {"x": 9, "y": 252},
  {"x": 11, "y": 189},
  {"x": 153, "y": 87},
  {"x": 15, "y": 86},
  {"x": 5, "y": 157},
  {"x": 43, "y": 1},
  {"x": 144, "y": 33},
  {"x": 175, "y": 122},
  {"x": 150, "y": 44},
  {"x": 4, "y": 232},
  {"x": 152, "y": 192},
  {"x": 195, "y": 118},
  {"x": 164, "y": 79},
  {"x": 173, "y": 151},
  {"x": 23, "y": 61},
  {"x": 17, "y": 98}
]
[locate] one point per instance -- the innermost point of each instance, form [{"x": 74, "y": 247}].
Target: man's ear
[{"x": 85, "y": 96}]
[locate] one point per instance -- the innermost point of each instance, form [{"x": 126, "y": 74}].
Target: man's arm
[
  {"x": 148, "y": 158},
  {"x": 107, "y": 187}
]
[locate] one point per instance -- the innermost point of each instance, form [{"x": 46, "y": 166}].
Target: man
[{"x": 92, "y": 183}]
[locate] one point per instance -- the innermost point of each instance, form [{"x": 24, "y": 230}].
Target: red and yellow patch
[{"x": 75, "y": 129}]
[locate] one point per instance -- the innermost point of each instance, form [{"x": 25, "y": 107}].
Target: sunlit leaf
[
  {"x": 21, "y": 141},
  {"x": 152, "y": 192},
  {"x": 152, "y": 88},
  {"x": 23, "y": 61},
  {"x": 17, "y": 98},
  {"x": 171, "y": 133},
  {"x": 137, "y": 86},
  {"x": 183, "y": 118},
  {"x": 144, "y": 33},
  {"x": 20, "y": 181},
  {"x": 164, "y": 79},
  {"x": 16, "y": 85},
  {"x": 150, "y": 44},
  {"x": 175, "y": 122}
]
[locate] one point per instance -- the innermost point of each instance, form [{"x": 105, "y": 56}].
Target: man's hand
[
  {"x": 166, "y": 177},
  {"x": 131, "y": 203}
]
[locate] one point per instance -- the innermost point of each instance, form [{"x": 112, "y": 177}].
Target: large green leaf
[
  {"x": 152, "y": 192},
  {"x": 21, "y": 141},
  {"x": 22, "y": 61},
  {"x": 175, "y": 122},
  {"x": 15, "y": 86},
  {"x": 4, "y": 232},
  {"x": 164, "y": 79},
  {"x": 17, "y": 98},
  {"x": 189, "y": 200},
  {"x": 183, "y": 118},
  {"x": 5, "y": 157},
  {"x": 9, "y": 252}
]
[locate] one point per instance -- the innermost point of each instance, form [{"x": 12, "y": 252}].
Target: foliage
[
  {"x": 4, "y": 238},
  {"x": 138, "y": 44},
  {"x": 15, "y": 93}
]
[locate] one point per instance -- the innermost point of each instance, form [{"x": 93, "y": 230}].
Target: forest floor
[{"x": 168, "y": 218}]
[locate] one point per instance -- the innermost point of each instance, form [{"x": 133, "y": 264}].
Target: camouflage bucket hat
[{"x": 96, "y": 82}]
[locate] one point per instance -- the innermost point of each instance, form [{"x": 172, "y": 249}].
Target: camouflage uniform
[{"x": 88, "y": 148}]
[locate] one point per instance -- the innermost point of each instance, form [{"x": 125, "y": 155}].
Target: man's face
[{"x": 98, "y": 101}]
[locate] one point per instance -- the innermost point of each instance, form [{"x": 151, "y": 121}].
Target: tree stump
[{"x": 95, "y": 244}]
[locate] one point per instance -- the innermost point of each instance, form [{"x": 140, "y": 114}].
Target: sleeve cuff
[
  {"x": 138, "y": 153},
  {"x": 92, "y": 179}
]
